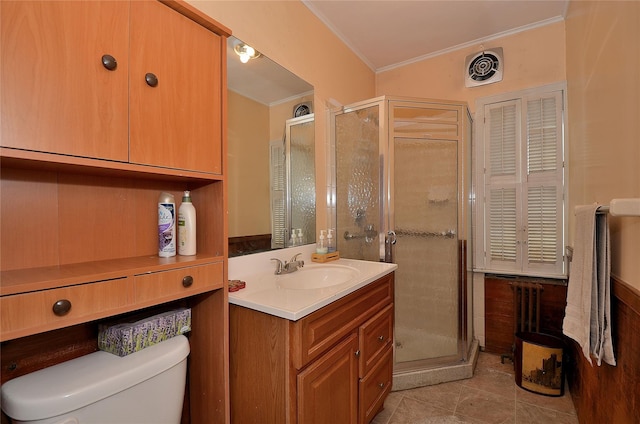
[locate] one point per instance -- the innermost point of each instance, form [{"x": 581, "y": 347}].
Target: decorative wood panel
[
  {"x": 249, "y": 244},
  {"x": 499, "y": 311},
  {"x": 609, "y": 394}
]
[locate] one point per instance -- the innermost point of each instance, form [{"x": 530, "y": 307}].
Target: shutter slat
[
  {"x": 542, "y": 220},
  {"x": 502, "y": 140},
  {"x": 502, "y": 224},
  {"x": 542, "y": 135}
]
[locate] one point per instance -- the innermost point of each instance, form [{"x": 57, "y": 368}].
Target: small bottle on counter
[
  {"x": 331, "y": 243},
  {"x": 300, "y": 238},
  {"x": 321, "y": 245},
  {"x": 187, "y": 226},
  {"x": 293, "y": 240}
]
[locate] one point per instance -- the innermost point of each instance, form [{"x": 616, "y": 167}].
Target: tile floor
[{"x": 491, "y": 396}]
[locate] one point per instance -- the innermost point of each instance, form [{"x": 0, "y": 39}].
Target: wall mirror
[{"x": 271, "y": 160}]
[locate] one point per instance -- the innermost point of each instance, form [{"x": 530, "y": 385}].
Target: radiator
[{"x": 526, "y": 310}]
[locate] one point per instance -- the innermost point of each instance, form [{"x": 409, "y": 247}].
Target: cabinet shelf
[
  {"x": 43, "y": 278},
  {"x": 42, "y": 161}
]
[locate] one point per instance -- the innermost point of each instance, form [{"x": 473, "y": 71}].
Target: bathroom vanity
[
  {"x": 318, "y": 355},
  {"x": 104, "y": 106}
]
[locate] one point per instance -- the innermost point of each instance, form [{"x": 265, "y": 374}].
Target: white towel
[{"x": 588, "y": 313}]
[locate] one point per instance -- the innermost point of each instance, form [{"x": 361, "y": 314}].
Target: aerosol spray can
[{"x": 166, "y": 225}]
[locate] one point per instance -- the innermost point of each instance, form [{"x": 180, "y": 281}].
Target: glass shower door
[
  {"x": 358, "y": 174},
  {"x": 423, "y": 211}
]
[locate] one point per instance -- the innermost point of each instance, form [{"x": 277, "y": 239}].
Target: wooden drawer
[
  {"x": 169, "y": 285},
  {"x": 30, "y": 313},
  {"x": 375, "y": 386},
  {"x": 317, "y": 332},
  {"x": 375, "y": 336}
]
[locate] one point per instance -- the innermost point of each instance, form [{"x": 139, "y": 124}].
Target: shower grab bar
[
  {"x": 369, "y": 234},
  {"x": 443, "y": 234}
]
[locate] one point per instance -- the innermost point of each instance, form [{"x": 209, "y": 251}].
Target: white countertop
[{"x": 265, "y": 293}]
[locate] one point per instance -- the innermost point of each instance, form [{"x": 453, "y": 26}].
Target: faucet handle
[{"x": 295, "y": 257}]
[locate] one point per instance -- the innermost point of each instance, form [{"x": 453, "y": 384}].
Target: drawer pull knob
[
  {"x": 187, "y": 281},
  {"x": 381, "y": 385},
  {"x": 381, "y": 338},
  {"x": 109, "y": 62},
  {"x": 151, "y": 79},
  {"x": 62, "y": 307},
  {"x": 357, "y": 353}
]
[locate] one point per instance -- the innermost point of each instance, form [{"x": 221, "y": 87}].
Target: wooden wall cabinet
[
  {"x": 131, "y": 82},
  {"x": 85, "y": 152},
  {"x": 334, "y": 365}
]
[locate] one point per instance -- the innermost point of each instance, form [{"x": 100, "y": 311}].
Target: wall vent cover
[
  {"x": 302, "y": 109},
  {"x": 484, "y": 67}
]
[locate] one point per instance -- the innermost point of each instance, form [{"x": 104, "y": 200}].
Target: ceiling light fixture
[{"x": 246, "y": 52}]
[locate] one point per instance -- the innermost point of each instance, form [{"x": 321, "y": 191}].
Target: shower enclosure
[{"x": 402, "y": 195}]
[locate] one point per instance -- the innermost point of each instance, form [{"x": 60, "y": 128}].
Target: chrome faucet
[{"x": 288, "y": 267}]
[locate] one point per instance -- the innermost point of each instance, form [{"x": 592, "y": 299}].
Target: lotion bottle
[
  {"x": 166, "y": 225},
  {"x": 187, "y": 226},
  {"x": 331, "y": 244}
]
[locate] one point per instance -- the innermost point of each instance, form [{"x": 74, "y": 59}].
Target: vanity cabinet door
[
  {"x": 176, "y": 90},
  {"x": 328, "y": 388},
  {"x": 376, "y": 336},
  {"x": 57, "y": 96},
  {"x": 375, "y": 386}
]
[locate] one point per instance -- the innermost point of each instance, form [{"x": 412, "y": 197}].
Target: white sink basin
[{"x": 317, "y": 277}]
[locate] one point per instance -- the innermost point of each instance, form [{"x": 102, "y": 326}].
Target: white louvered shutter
[
  {"x": 523, "y": 214},
  {"x": 278, "y": 179},
  {"x": 502, "y": 141},
  {"x": 543, "y": 184}
]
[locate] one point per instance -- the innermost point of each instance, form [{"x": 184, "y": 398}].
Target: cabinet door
[
  {"x": 376, "y": 336},
  {"x": 328, "y": 388},
  {"x": 375, "y": 387},
  {"x": 56, "y": 94},
  {"x": 176, "y": 124}
]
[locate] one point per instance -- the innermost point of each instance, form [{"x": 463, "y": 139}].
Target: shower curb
[{"x": 432, "y": 376}]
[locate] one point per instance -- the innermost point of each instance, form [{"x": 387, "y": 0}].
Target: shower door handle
[{"x": 389, "y": 240}]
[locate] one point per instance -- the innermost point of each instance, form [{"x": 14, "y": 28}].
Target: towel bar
[{"x": 621, "y": 207}]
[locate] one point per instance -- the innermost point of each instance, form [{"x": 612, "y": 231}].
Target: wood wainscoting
[
  {"x": 244, "y": 245},
  {"x": 500, "y": 310},
  {"x": 609, "y": 394}
]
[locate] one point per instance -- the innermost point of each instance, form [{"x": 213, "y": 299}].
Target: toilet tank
[{"x": 144, "y": 387}]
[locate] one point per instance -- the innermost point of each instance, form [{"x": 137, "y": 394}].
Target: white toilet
[{"x": 144, "y": 387}]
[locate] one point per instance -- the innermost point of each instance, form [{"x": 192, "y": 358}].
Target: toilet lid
[{"x": 79, "y": 382}]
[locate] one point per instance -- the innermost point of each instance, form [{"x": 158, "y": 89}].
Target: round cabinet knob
[
  {"x": 187, "y": 281},
  {"x": 62, "y": 307},
  {"x": 357, "y": 353},
  {"x": 381, "y": 385},
  {"x": 151, "y": 79},
  {"x": 109, "y": 62},
  {"x": 381, "y": 338}
]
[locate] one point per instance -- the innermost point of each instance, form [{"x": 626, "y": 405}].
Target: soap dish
[{"x": 325, "y": 257}]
